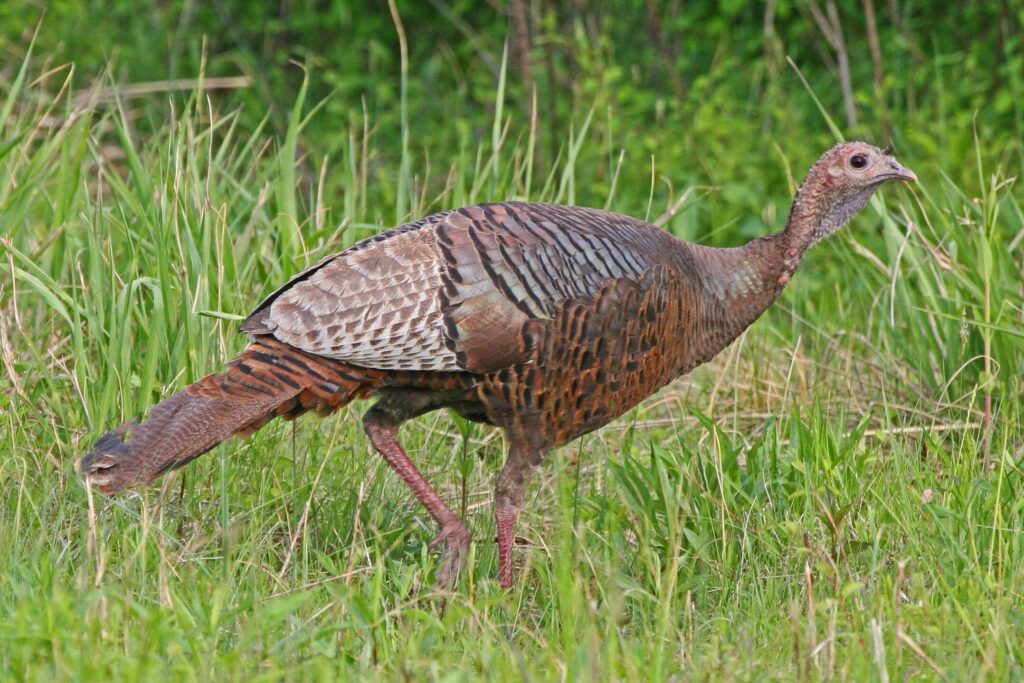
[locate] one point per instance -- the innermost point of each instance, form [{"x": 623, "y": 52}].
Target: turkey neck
[
  {"x": 744, "y": 281},
  {"x": 757, "y": 272},
  {"x": 821, "y": 207}
]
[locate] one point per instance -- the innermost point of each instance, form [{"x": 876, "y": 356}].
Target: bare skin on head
[{"x": 546, "y": 321}]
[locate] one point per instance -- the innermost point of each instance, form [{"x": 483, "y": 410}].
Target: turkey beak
[{"x": 899, "y": 172}]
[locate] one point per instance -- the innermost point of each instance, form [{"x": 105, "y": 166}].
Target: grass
[{"x": 838, "y": 495}]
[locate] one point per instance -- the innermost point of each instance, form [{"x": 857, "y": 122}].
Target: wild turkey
[{"x": 547, "y": 321}]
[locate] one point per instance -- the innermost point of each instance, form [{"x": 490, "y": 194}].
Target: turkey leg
[
  {"x": 453, "y": 533},
  {"x": 508, "y": 499}
]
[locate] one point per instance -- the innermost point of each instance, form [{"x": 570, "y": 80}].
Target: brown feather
[{"x": 267, "y": 380}]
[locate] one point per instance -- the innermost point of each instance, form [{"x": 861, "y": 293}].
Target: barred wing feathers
[{"x": 457, "y": 291}]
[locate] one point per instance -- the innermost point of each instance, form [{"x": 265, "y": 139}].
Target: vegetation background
[{"x": 838, "y": 496}]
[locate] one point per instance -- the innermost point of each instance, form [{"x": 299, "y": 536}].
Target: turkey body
[{"x": 547, "y": 321}]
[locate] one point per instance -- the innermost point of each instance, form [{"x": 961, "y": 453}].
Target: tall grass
[{"x": 836, "y": 496}]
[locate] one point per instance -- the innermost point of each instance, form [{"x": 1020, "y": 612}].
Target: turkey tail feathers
[{"x": 267, "y": 380}]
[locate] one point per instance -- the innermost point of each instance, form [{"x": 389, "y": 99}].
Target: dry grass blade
[{"x": 106, "y": 93}]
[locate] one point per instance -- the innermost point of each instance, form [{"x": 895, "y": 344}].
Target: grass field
[{"x": 839, "y": 495}]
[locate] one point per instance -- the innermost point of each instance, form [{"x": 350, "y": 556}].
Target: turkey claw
[{"x": 455, "y": 538}]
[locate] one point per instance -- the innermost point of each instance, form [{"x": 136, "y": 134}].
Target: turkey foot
[{"x": 455, "y": 538}]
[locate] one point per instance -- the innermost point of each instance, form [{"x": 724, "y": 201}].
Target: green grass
[{"x": 838, "y": 495}]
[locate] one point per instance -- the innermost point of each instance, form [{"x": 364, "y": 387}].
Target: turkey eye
[{"x": 858, "y": 161}]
